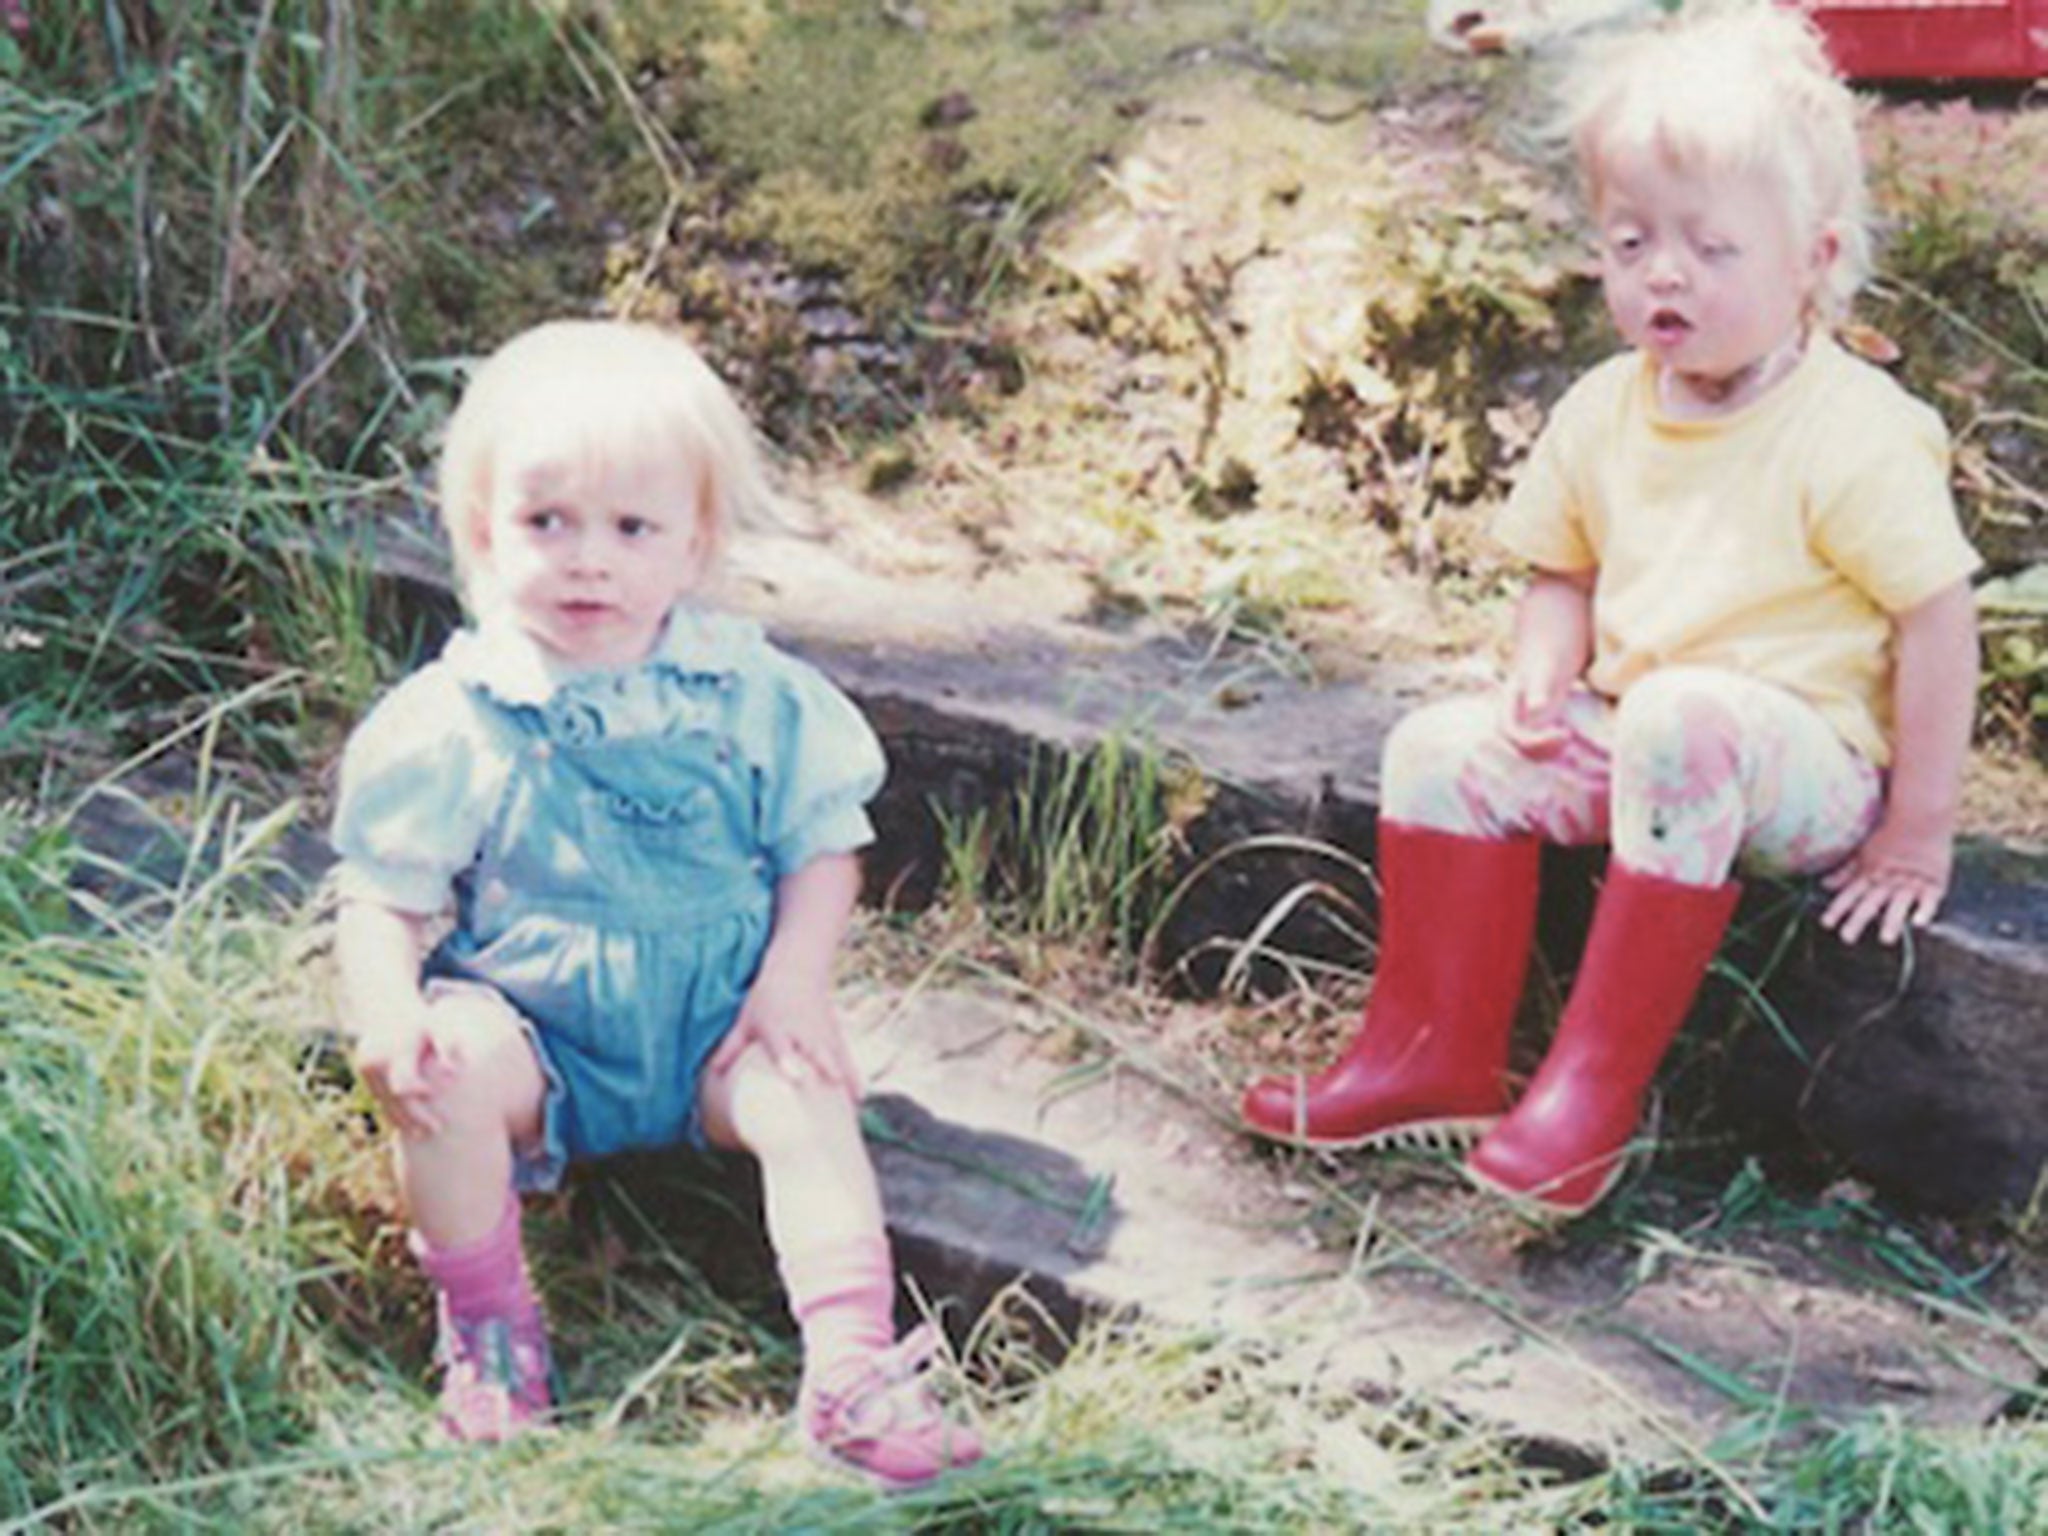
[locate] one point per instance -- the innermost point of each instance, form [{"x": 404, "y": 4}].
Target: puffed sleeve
[
  {"x": 418, "y": 781},
  {"x": 825, "y": 765}
]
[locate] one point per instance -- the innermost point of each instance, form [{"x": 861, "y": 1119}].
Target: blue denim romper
[{"x": 611, "y": 842}]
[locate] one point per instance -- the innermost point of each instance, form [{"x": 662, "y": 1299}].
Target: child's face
[
  {"x": 1705, "y": 272},
  {"x": 590, "y": 556}
]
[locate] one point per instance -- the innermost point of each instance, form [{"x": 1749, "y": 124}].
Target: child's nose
[
  {"x": 587, "y": 556},
  {"x": 1665, "y": 270}
]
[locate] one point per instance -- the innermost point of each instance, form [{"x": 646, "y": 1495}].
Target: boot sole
[
  {"x": 1537, "y": 1209},
  {"x": 1545, "y": 1212},
  {"x": 1449, "y": 1135}
]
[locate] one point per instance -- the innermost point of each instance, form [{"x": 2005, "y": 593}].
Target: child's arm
[
  {"x": 1553, "y": 643},
  {"x": 788, "y": 1011},
  {"x": 378, "y": 951},
  {"x": 1901, "y": 872}
]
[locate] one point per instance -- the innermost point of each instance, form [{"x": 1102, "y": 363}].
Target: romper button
[
  {"x": 494, "y": 891},
  {"x": 543, "y": 750}
]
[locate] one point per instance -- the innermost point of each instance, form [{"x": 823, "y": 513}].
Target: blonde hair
[
  {"x": 1741, "y": 87},
  {"x": 599, "y": 392}
]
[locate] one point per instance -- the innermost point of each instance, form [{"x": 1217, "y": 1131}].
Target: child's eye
[
  {"x": 635, "y": 527},
  {"x": 543, "y": 519},
  {"x": 1625, "y": 243}
]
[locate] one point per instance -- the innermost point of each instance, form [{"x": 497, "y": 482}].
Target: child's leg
[
  {"x": 860, "y": 1398},
  {"x": 1711, "y": 767},
  {"x": 1458, "y": 886},
  {"x": 1447, "y": 767},
  {"x": 488, "y": 1101},
  {"x": 465, "y": 1215},
  {"x": 824, "y": 1211},
  {"x": 1708, "y": 768}
]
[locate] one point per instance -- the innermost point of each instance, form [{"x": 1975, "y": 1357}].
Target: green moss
[{"x": 829, "y": 111}]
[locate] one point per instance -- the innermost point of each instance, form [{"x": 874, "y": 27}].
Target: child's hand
[
  {"x": 1553, "y": 643},
  {"x": 1532, "y": 715},
  {"x": 405, "y": 1064},
  {"x": 1897, "y": 876},
  {"x": 790, "y": 1017}
]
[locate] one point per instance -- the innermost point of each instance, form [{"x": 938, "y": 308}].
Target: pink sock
[
  {"x": 486, "y": 1278},
  {"x": 843, "y": 1296}
]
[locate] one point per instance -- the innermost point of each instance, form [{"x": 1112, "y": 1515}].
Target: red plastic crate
[{"x": 1935, "y": 39}]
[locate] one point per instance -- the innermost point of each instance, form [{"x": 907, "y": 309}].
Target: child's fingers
[
  {"x": 736, "y": 1043},
  {"x": 1892, "y": 899},
  {"x": 1914, "y": 906},
  {"x": 396, "y": 1070},
  {"x": 1849, "y": 880},
  {"x": 849, "y": 1069},
  {"x": 835, "y": 1062},
  {"x": 1533, "y": 721},
  {"x": 416, "y": 1116},
  {"x": 1831, "y": 919},
  {"x": 443, "y": 1059},
  {"x": 1852, "y": 909},
  {"x": 1898, "y": 907},
  {"x": 1537, "y": 742},
  {"x": 404, "y": 1100},
  {"x": 1928, "y": 905},
  {"x": 783, "y": 1056},
  {"x": 794, "y": 1063},
  {"x": 1868, "y": 904},
  {"x": 800, "y": 1057},
  {"x": 446, "y": 1049}
]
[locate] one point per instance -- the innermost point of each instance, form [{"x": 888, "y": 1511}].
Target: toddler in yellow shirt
[{"x": 1748, "y": 642}]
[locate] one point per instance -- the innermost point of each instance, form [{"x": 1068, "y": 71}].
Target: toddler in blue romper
[
  {"x": 642, "y": 818},
  {"x": 613, "y": 843}
]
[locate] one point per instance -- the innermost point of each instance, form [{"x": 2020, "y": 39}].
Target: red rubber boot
[
  {"x": 1429, "y": 1059},
  {"x": 1565, "y": 1145}
]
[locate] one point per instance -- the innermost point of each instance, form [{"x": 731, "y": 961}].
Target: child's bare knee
[
  {"x": 771, "y": 1113},
  {"x": 484, "y": 1076}
]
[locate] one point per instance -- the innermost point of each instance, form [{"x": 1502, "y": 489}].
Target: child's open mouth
[
  {"x": 581, "y": 611},
  {"x": 1668, "y": 327}
]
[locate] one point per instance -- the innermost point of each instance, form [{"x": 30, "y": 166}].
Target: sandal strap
[
  {"x": 509, "y": 1351},
  {"x": 882, "y": 1375}
]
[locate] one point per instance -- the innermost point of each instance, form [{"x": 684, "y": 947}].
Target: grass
[
  {"x": 164, "y": 1154},
  {"x": 197, "y": 207},
  {"x": 208, "y": 1323},
  {"x": 1136, "y": 1432},
  {"x": 1083, "y": 850}
]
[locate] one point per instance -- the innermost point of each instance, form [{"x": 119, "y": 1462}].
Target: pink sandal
[
  {"x": 497, "y": 1373},
  {"x": 875, "y": 1414}
]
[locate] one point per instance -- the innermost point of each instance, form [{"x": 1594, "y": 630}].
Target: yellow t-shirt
[{"x": 1776, "y": 541}]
